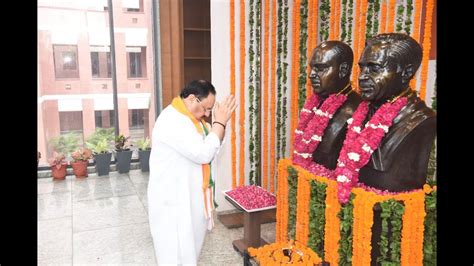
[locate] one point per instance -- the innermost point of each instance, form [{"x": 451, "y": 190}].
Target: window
[
  {"x": 70, "y": 121},
  {"x": 136, "y": 62},
  {"x": 133, "y": 5},
  {"x": 101, "y": 62},
  {"x": 104, "y": 118},
  {"x": 136, "y": 118},
  {"x": 65, "y": 61}
]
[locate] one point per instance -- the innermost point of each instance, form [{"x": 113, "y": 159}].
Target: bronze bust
[
  {"x": 388, "y": 63},
  {"x": 331, "y": 64}
]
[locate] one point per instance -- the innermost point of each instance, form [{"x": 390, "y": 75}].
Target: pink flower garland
[
  {"x": 311, "y": 128},
  {"x": 361, "y": 143}
]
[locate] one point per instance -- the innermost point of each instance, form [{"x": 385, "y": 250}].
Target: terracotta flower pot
[
  {"x": 79, "y": 168},
  {"x": 59, "y": 173}
]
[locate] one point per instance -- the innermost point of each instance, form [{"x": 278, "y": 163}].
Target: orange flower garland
[
  {"x": 426, "y": 47},
  {"x": 332, "y": 20},
  {"x": 294, "y": 71},
  {"x": 362, "y": 27},
  {"x": 265, "y": 98},
  {"x": 364, "y": 201},
  {"x": 273, "y": 100},
  {"x": 296, "y": 254},
  {"x": 391, "y": 15},
  {"x": 242, "y": 94},
  {"x": 416, "y": 32},
  {"x": 383, "y": 16},
  {"x": 282, "y": 201},
  {"x": 337, "y": 11},
  {"x": 355, "y": 44},
  {"x": 232, "y": 91},
  {"x": 311, "y": 36},
  {"x": 331, "y": 228}
]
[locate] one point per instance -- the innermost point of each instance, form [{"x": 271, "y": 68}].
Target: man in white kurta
[{"x": 175, "y": 196}]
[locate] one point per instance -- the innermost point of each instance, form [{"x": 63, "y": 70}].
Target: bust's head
[
  {"x": 387, "y": 64},
  {"x": 330, "y": 64}
]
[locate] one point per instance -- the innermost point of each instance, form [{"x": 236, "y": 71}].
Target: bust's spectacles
[{"x": 205, "y": 109}]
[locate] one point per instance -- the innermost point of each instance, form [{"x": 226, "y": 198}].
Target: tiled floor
[{"x": 104, "y": 220}]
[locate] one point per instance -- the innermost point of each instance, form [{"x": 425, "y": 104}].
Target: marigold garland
[
  {"x": 310, "y": 46},
  {"x": 426, "y": 47},
  {"x": 416, "y": 32},
  {"x": 383, "y": 17},
  {"x": 294, "y": 71},
  {"x": 242, "y": 95},
  {"x": 337, "y": 12},
  {"x": 295, "y": 253},
  {"x": 355, "y": 46},
  {"x": 273, "y": 99},
  {"x": 232, "y": 91},
  {"x": 364, "y": 200},
  {"x": 361, "y": 41},
  {"x": 391, "y": 15},
  {"x": 332, "y": 19}
]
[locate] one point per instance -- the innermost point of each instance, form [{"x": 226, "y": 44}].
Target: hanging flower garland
[
  {"x": 337, "y": 14},
  {"x": 356, "y": 220},
  {"x": 429, "y": 239},
  {"x": 265, "y": 95},
  {"x": 409, "y": 11},
  {"x": 426, "y": 47},
  {"x": 361, "y": 41},
  {"x": 343, "y": 20},
  {"x": 391, "y": 15},
  {"x": 349, "y": 24},
  {"x": 273, "y": 99},
  {"x": 332, "y": 19},
  {"x": 400, "y": 10},
  {"x": 360, "y": 143},
  {"x": 376, "y": 9},
  {"x": 258, "y": 90},
  {"x": 311, "y": 35},
  {"x": 292, "y": 201},
  {"x": 279, "y": 77},
  {"x": 232, "y": 92},
  {"x": 317, "y": 217},
  {"x": 251, "y": 91},
  {"x": 355, "y": 46},
  {"x": 392, "y": 212},
  {"x": 383, "y": 17},
  {"x": 302, "y": 78},
  {"x": 242, "y": 95},
  {"x": 370, "y": 12},
  {"x": 324, "y": 12},
  {"x": 346, "y": 217},
  {"x": 284, "y": 77},
  {"x": 295, "y": 70},
  {"x": 416, "y": 33}
]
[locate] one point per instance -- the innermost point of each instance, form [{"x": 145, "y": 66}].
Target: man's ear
[
  {"x": 344, "y": 69},
  {"x": 407, "y": 73}
]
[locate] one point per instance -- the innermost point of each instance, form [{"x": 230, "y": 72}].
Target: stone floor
[{"x": 104, "y": 220}]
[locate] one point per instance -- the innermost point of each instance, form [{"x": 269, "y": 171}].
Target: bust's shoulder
[{"x": 414, "y": 115}]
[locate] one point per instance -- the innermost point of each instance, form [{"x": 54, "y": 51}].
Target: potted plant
[
  {"x": 123, "y": 154},
  {"x": 144, "y": 149},
  {"x": 58, "y": 165},
  {"x": 102, "y": 156},
  {"x": 80, "y": 159}
]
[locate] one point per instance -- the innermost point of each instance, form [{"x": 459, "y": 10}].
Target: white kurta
[{"x": 175, "y": 198}]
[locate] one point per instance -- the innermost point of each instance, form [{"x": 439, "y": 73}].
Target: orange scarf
[{"x": 207, "y": 181}]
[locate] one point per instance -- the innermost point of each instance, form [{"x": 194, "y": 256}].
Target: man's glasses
[{"x": 205, "y": 109}]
